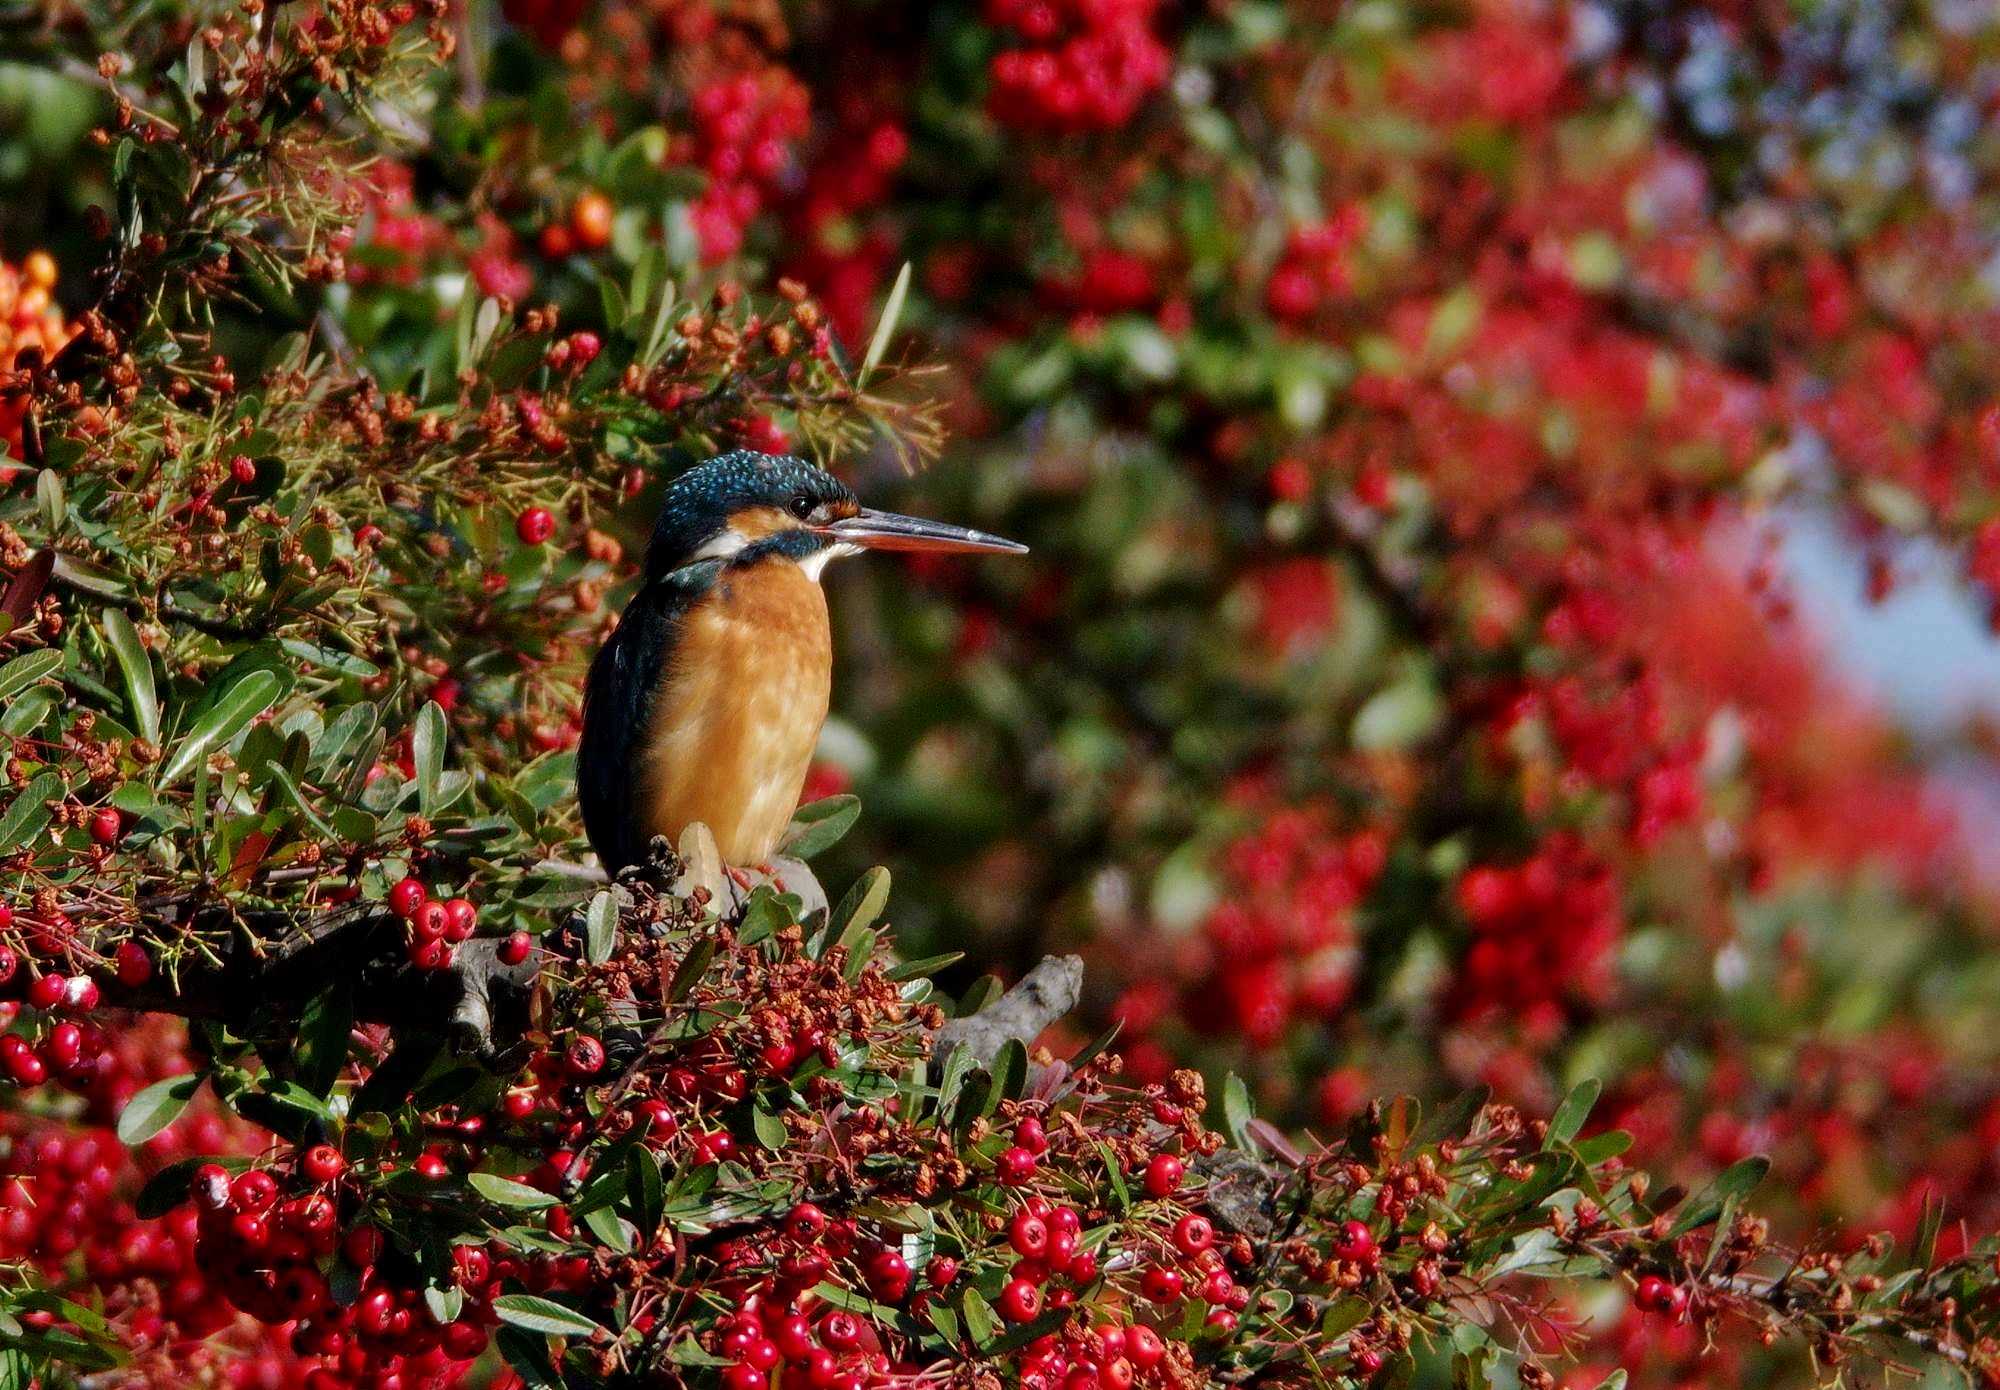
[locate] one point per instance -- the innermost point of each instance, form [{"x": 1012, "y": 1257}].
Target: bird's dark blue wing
[{"x": 617, "y": 708}]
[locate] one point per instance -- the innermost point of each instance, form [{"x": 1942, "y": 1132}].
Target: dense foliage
[{"x": 1403, "y": 697}]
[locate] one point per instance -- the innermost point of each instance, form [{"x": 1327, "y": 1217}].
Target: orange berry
[{"x": 590, "y": 220}]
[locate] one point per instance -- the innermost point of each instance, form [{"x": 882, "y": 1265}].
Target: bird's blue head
[{"x": 743, "y": 499}]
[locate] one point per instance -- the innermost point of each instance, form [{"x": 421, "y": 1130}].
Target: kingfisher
[{"x": 707, "y": 701}]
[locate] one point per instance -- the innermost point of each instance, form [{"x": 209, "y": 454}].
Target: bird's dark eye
[{"x": 802, "y": 506}]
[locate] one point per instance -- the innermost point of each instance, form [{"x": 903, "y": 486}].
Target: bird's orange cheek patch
[{"x": 755, "y": 523}]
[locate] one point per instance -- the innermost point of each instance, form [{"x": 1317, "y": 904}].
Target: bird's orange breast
[{"x": 733, "y": 724}]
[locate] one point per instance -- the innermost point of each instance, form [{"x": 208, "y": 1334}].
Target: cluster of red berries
[
  {"x": 66, "y": 1208},
  {"x": 1109, "y": 281},
  {"x": 1086, "y": 64},
  {"x": 1314, "y": 267},
  {"x": 843, "y": 257},
  {"x": 67, "y": 1051},
  {"x": 401, "y": 243},
  {"x": 436, "y": 928},
  {"x": 744, "y": 129},
  {"x": 1279, "y": 947},
  {"x": 263, "y": 1246},
  {"x": 1543, "y": 933}
]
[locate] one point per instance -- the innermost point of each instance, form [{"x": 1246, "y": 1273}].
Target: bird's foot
[{"x": 746, "y": 879}]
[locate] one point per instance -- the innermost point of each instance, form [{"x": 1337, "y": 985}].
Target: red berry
[
  {"x": 24, "y": 1068},
  {"x": 1020, "y": 1301},
  {"x": 661, "y": 1122},
  {"x": 209, "y": 1186},
  {"x": 1014, "y": 1166},
  {"x": 243, "y": 469},
  {"x": 1193, "y": 1234},
  {"x": 1355, "y": 1243},
  {"x": 942, "y": 1271},
  {"x": 107, "y": 826},
  {"x": 322, "y": 1163},
  {"x": 584, "y": 1056},
  {"x": 135, "y": 967},
  {"x": 253, "y": 1191},
  {"x": 430, "y": 920},
  {"x": 1160, "y": 1284},
  {"x": 805, "y": 1222},
  {"x": 406, "y": 897},
  {"x": 535, "y": 526},
  {"x": 888, "y": 1276},
  {"x": 1653, "y": 1294},
  {"x": 1163, "y": 1175},
  {"x": 363, "y": 1246},
  {"x": 1029, "y": 1235},
  {"x": 45, "y": 992},
  {"x": 460, "y": 919},
  {"x": 840, "y": 1331},
  {"x": 429, "y": 1167},
  {"x": 515, "y": 947},
  {"x": 1143, "y": 1347},
  {"x": 1030, "y": 1135},
  {"x": 62, "y": 1049}
]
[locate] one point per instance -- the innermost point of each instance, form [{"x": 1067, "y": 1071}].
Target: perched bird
[{"x": 706, "y": 703}]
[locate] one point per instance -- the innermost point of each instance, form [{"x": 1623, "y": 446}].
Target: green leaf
[
  {"x": 645, "y": 1188},
  {"x": 818, "y": 825},
  {"x": 1738, "y": 1180},
  {"x": 770, "y": 1129},
  {"x": 925, "y": 968},
  {"x": 605, "y": 1225},
  {"x": 1237, "y": 1111},
  {"x": 600, "y": 928},
  {"x": 323, "y": 1036},
  {"x": 156, "y": 1107},
  {"x": 248, "y": 698},
  {"x": 693, "y": 966},
  {"x": 506, "y": 1192},
  {"x": 137, "y": 667},
  {"x": 29, "y": 812},
  {"x": 957, "y": 1066},
  {"x": 1112, "y": 1171},
  {"x": 27, "y": 668},
  {"x": 543, "y": 1315},
  {"x": 527, "y": 1355},
  {"x": 427, "y": 752},
  {"x": 861, "y": 905},
  {"x": 49, "y": 494},
  {"x": 885, "y": 327},
  {"x": 445, "y": 1303},
  {"x": 979, "y": 1318},
  {"x": 1929, "y": 1221},
  {"x": 1575, "y": 1109}
]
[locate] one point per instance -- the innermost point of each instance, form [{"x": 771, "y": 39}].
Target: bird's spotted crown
[{"x": 699, "y": 503}]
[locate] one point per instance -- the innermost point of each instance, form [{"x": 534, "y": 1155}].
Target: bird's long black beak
[{"x": 875, "y": 530}]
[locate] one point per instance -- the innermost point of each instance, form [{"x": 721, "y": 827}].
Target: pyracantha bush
[{"x": 1403, "y": 695}]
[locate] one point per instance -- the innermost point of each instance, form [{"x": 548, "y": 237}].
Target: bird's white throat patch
[
  {"x": 729, "y": 541},
  {"x": 815, "y": 563}
]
